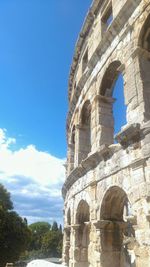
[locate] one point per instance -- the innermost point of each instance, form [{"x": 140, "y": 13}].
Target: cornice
[{"x": 126, "y": 137}]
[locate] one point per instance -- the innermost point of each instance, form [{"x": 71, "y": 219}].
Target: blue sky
[{"x": 37, "y": 39}]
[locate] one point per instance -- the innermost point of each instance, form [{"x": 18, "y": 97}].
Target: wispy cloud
[{"x": 34, "y": 179}]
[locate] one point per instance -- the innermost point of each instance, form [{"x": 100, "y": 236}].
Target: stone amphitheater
[{"x": 107, "y": 188}]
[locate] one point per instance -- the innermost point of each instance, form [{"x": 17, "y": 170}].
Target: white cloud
[
  {"x": 29, "y": 162},
  {"x": 34, "y": 179}
]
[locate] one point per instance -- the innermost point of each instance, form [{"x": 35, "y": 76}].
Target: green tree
[
  {"x": 40, "y": 227},
  {"x": 5, "y": 201},
  {"x": 14, "y": 233},
  {"x": 55, "y": 226},
  {"x": 52, "y": 244},
  {"x": 60, "y": 228},
  {"x": 38, "y": 230},
  {"x": 45, "y": 241}
]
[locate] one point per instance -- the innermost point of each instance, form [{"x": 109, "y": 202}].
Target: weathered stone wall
[{"x": 107, "y": 189}]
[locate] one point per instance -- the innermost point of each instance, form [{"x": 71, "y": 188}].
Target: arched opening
[
  {"x": 112, "y": 105},
  {"x": 144, "y": 40},
  {"x": 144, "y": 59},
  {"x": 82, "y": 220},
  {"x": 85, "y": 131},
  {"x": 83, "y": 214},
  {"x": 116, "y": 233}
]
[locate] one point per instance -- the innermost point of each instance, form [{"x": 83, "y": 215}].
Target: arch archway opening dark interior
[
  {"x": 83, "y": 214},
  {"x": 113, "y": 204},
  {"x": 115, "y": 230},
  {"x": 82, "y": 219},
  {"x": 85, "y": 131}
]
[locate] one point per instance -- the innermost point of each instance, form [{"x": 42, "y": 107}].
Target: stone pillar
[
  {"x": 77, "y": 148},
  {"x": 83, "y": 143},
  {"x": 142, "y": 234},
  {"x": 105, "y": 121},
  {"x": 66, "y": 245},
  {"x": 95, "y": 124},
  {"x": 75, "y": 259},
  {"x": 81, "y": 235},
  {"x": 70, "y": 161},
  {"x": 137, "y": 83},
  {"x": 109, "y": 243},
  {"x": 97, "y": 244}
]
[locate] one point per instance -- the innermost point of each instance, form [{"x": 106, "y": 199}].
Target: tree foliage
[
  {"x": 5, "y": 201},
  {"x": 14, "y": 233},
  {"x": 38, "y": 229},
  {"x": 52, "y": 244},
  {"x": 55, "y": 226},
  {"x": 46, "y": 240}
]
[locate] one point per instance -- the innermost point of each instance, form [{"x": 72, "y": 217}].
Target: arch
[
  {"x": 115, "y": 229},
  {"x": 112, "y": 115},
  {"x": 82, "y": 233},
  {"x": 109, "y": 78},
  {"x": 83, "y": 213},
  {"x": 113, "y": 204},
  {"x": 144, "y": 37},
  {"x": 84, "y": 196},
  {"x": 85, "y": 113},
  {"x": 85, "y": 131}
]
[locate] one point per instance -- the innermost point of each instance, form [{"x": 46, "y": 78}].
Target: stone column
[
  {"x": 77, "y": 147},
  {"x": 109, "y": 243},
  {"x": 66, "y": 245},
  {"x": 97, "y": 244},
  {"x": 70, "y": 161},
  {"x": 75, "y": 257},
  {"x": 142, "y": 235},
  {"x": 105, "y": 120},
  {"x": 137, "y": 83},
  {"x": 95, "y": 124},
  {"x": 81, "y": 242},
  {"x": 82, "y": 144},
  {"x": 85, "y": 249}
]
